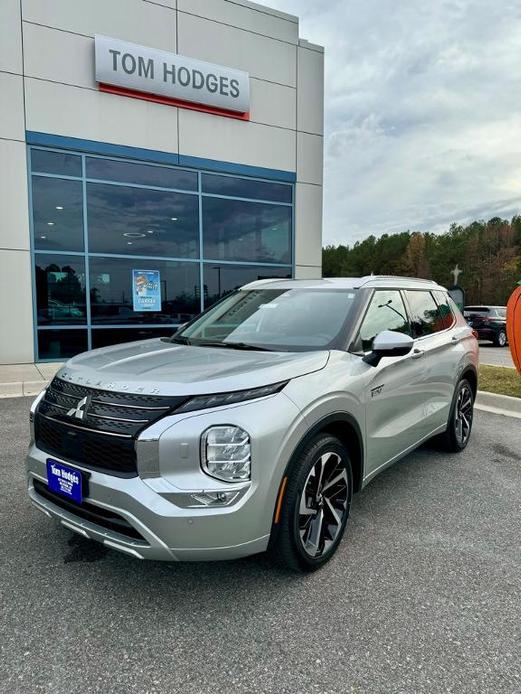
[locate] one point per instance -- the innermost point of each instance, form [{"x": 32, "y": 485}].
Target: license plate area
[{"x": 67, "y": 481}]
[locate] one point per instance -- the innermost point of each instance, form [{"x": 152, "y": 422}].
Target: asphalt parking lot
[
  {"x": 423, "y": 596},
  {"x": 496, "y": 356}
]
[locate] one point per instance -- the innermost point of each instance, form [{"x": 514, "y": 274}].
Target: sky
[{"x": 422, "y": 112}]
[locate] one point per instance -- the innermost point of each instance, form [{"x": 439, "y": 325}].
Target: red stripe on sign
[{"x": 166, "y": 100}]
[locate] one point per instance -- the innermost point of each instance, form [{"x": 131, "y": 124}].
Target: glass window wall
[{"x": 129, "y": 250}]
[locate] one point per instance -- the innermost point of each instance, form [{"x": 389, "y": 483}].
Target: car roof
[{"x": 369, "y": 281}]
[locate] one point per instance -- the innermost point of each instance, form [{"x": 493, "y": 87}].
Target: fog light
[
  {"x": 213, "y": 498},
  {"x": 226, "y": 453}
]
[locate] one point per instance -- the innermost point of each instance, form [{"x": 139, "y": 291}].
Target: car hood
[{"x": 165, "y": 368}]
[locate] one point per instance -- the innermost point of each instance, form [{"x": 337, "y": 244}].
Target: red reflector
[{"x": 475, "y": 333}]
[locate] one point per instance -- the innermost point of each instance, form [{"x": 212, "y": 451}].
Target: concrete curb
[
  {"x": 19, "y": 389},
  {"x": 498, "y": 404}
]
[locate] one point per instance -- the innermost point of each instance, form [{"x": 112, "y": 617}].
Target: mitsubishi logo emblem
[{"x": 80, "y": 411}]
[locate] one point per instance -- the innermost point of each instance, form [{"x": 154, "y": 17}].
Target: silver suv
[{"x": 251, "y": 428}]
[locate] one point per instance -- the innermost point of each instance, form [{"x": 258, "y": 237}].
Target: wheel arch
[
  {"x": 471, "y": 374},
  {"x": 344, "y": 427}
]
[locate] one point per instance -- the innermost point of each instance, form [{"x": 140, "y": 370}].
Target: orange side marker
[{"x": 279, "y": 500}]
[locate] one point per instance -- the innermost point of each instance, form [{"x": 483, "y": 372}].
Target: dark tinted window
[
  {"x": 113, "y": 295},
  {"x": 246, "y": 188},
  {"x": 60, "y": 289},
  {"x": 61, "y": 344},
  {"x": 55, "y": 162},
  {"x": 251, "y": 231},
  {"x": 446, "y": 315},
  {"x": 425, "y": 317},
  {"x": 386, "y": 312},
  {"x": 139, "y": 221},
  {"x": 57, "y": 214},
  {"x": 103, "y": 337},
  {"x": 144, "y": 174},
  {"x": 222, "y": 279}
]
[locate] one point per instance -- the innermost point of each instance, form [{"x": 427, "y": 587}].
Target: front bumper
[
  {"x": 168, "y": 531},
  {"x": 169, "y": 468}
]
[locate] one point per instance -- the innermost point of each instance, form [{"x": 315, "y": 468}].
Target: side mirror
[
  {"x": 389, "y": 343},
  {"x": 180, "y": 327}
]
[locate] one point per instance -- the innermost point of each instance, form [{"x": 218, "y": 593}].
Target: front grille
[
  {"x": 104, "y": 438},
  {"x": 95, "y": 514}
]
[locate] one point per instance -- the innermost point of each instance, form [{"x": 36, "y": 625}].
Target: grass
[{"x": 500, "y": 380}]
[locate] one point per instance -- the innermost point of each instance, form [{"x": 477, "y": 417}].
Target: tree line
[{"x": 488, "y": 253}]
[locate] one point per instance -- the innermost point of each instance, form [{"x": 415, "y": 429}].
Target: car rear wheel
[
  {"x": 501, "y": 339},
  {"x": 315, "y": 506},
  {"x": 459, "y": 426}
]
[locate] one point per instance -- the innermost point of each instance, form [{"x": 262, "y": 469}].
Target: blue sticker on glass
[
  {"x": 64, "y": 480},
  {"x": 146, "y": 290}
]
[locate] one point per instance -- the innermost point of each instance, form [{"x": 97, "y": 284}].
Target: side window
[
  {"x": 386, "y": 312},
  {"x": 425, "y": 317},
  {"x": 446, "y": 315}
]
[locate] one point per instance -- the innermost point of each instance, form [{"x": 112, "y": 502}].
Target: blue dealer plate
[{"x": 64, "y": 480}]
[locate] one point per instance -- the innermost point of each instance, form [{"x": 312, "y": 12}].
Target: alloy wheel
[
  {"x": 323, "y": 504},
  {"x": 463, "y": 415},
  {"x": 502, "y": 339}
]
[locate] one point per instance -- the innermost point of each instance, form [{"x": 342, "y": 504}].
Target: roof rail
[{"x": 396, "y": 278}]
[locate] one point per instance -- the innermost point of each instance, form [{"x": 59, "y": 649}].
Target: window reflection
[
  {"x": 60, "y": 290},
  {"x": 222, "y": 279},
  {"x": 111, "y": 291},
  {"x": 61, "y": 344},
  {"x": 55, "y": 162},
  {"x": 57, "y": 214},
  {"x": 136, "y": 221},
  {"x": 246, "y": 188},
  {"x": 144, "y": 174},
  {"x": 251, "y": 231},
  {"x": 104, "y": 337}
]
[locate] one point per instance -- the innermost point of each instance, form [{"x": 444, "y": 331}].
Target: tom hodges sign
[{"x": 171, "y": 77}]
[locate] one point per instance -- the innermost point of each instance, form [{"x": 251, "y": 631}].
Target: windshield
[{"x": 273, "y": 319}]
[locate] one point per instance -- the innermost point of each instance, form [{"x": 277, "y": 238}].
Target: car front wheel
[{"x": 315, "y": 506}]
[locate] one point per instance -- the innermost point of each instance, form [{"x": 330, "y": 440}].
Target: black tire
[
  {"x": 452, "y": 439},
  {"x": 293, "y": 537},
  {"x": 500, "y": 340}
]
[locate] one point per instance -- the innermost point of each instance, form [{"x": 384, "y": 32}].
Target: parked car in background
[
  {"x": 490, "y": 323},
  {"x": 251, "y": 428}
]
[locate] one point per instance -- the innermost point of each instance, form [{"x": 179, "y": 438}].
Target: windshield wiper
[
  {"x": 180, "y": 340},
  {"x": 230, "y": 345}
]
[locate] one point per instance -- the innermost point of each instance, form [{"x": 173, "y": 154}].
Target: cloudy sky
[{"x": 423, "y": 111}]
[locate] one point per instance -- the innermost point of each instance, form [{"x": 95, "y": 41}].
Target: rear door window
[
  {"x": 424, "y": 313},
  {"x": 446, "y": 315}
]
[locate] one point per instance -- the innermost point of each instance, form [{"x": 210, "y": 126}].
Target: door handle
[{"x": 417, "y": 354}]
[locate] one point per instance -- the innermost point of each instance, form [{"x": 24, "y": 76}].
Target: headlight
[
  {"x": 226, "y": 453},
  {"x": 202, "y": 402}
]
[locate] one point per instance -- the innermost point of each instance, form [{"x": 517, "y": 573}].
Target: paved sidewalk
[{"x": 25, "y": 379}]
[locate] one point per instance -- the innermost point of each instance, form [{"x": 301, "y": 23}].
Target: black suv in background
[{"x": 490, "y": 322}]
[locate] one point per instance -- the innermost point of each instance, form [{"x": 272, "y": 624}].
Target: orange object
[
  {"x": 279, "y": 502},
  {"x": 514, "y": 326}
]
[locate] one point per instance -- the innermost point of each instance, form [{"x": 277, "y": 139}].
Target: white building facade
[{"x": 155, "y": 155}]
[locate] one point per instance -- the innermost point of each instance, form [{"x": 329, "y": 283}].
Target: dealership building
[{"x": 155, "y": 156}]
